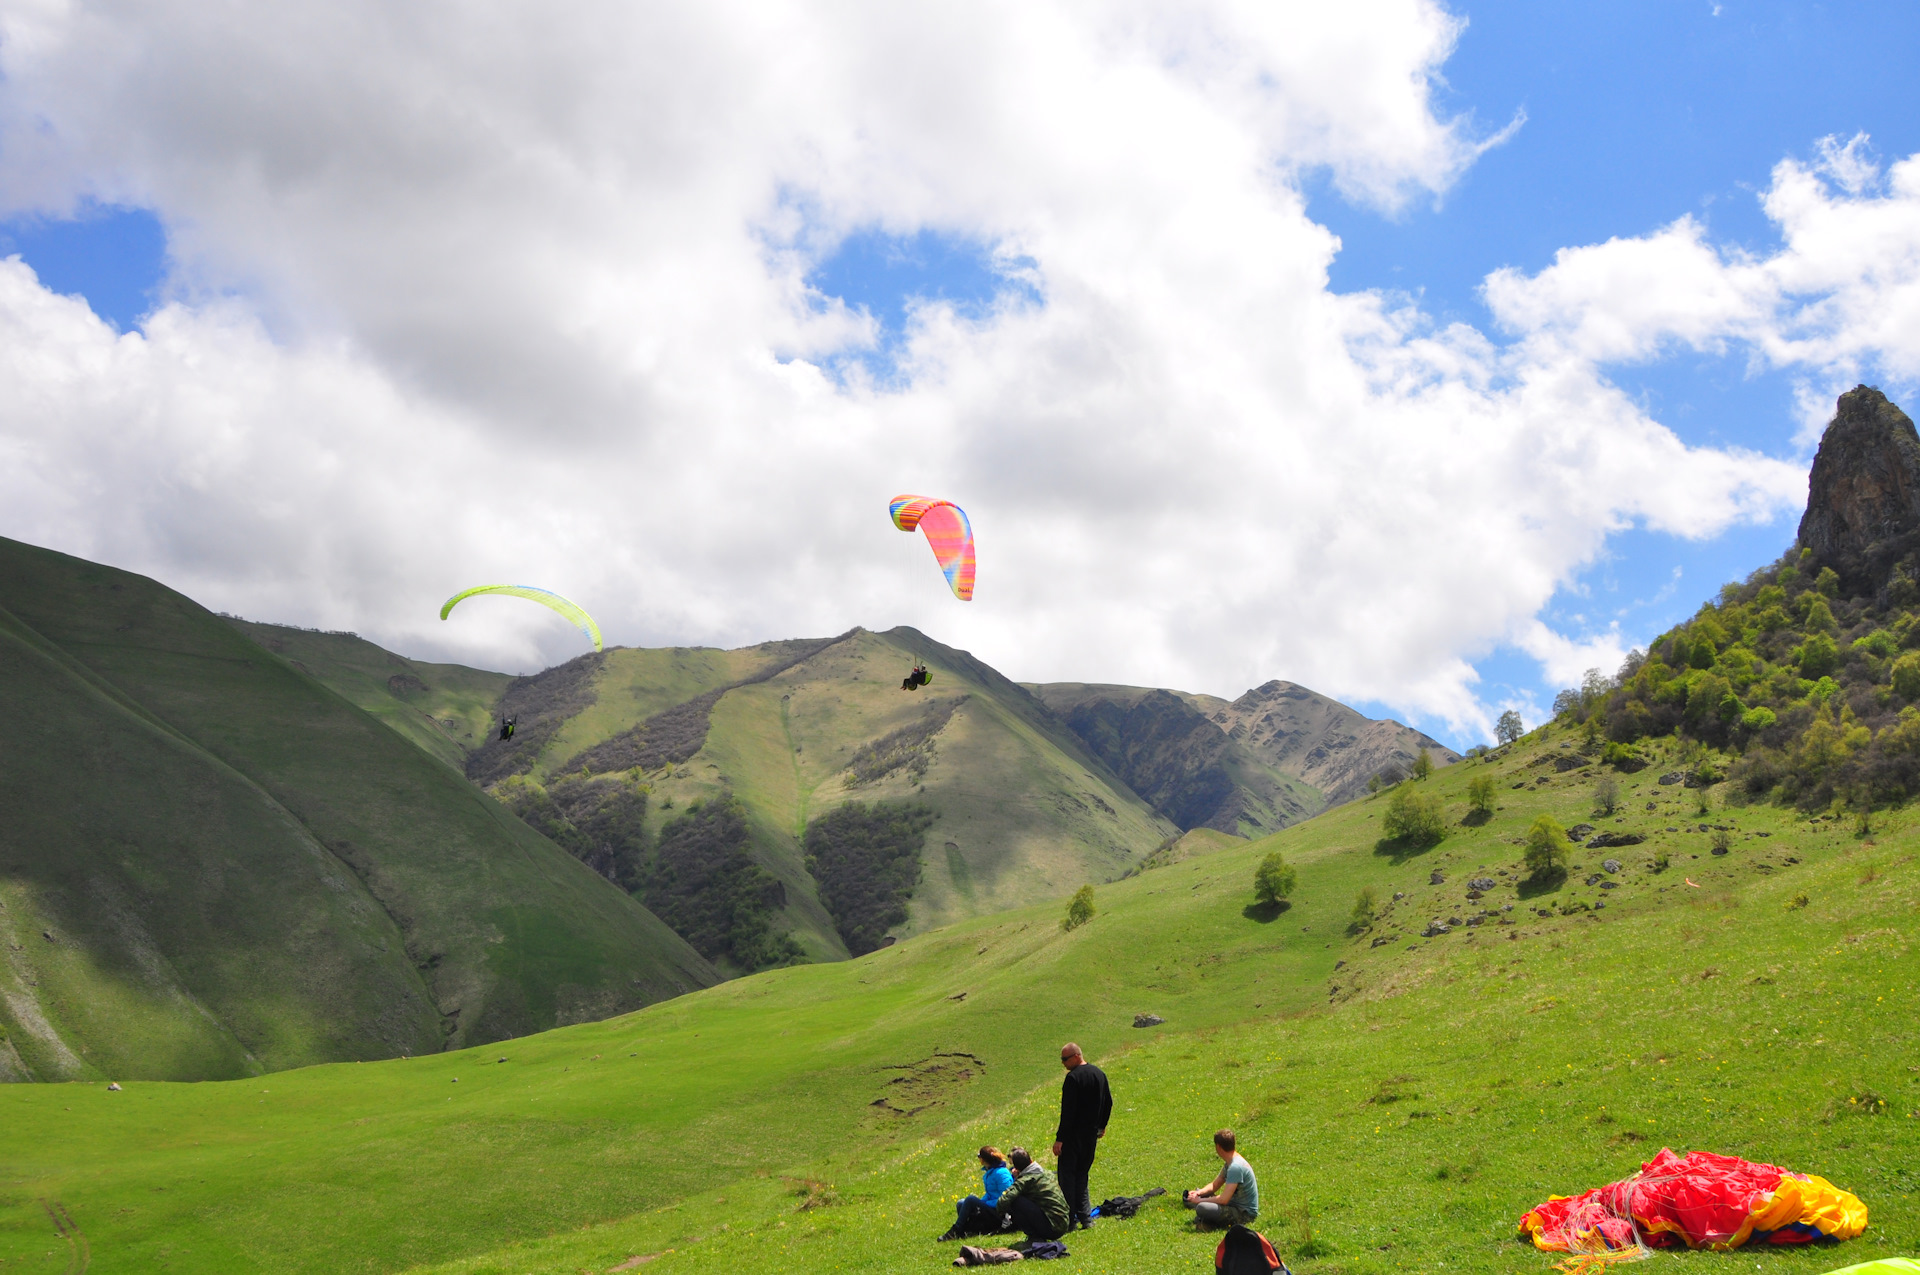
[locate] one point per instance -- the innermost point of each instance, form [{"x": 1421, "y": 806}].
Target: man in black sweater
[{"x": 1085, "y": 1106}]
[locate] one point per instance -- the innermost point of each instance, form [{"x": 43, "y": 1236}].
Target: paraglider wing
[
  {"x": 1701, "y": 1200},
  {"x": 947, "y": 531},
  {"x": 545, "y": 597}
]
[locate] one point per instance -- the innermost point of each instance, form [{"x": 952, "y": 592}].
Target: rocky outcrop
[
  {"x": 1168, "y": 752},
  {"x": 1863, "y": 496},
  {"x": 1322, "y": 741},
  {"x": 1278, "y": 754}
]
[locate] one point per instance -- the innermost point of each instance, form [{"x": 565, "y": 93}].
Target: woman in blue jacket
[{"x": 977, "y": 1214}]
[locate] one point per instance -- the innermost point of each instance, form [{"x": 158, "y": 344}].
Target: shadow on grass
[
  {"x": 1476, "y": 818},
  {"x": 1401, "y": 849},
  {"x": 1542, "y": 883},
  {"x": 1265, "y": 912}
]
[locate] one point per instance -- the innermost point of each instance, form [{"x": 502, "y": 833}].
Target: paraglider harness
[
  {"x": 916, "y": 679},
  {"x": 506, "y": 726},
  {"x": 1245, "y": 1252},
  {"x": 1125, "y": 1205}
]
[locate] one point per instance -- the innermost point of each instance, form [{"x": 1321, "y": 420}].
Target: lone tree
[
  {"x": 1509, "y": 727},
  {"x": 1606, "y": 794},
  {"x": 1547, "y": 848},
  {"x": 1274, "y": 879},
  {"x": 1079, "y": 909},
  {"x": 1422, "y": 765},
  {"x": 1480, "y": 795},
  {"x": 1414, "y": 817}
]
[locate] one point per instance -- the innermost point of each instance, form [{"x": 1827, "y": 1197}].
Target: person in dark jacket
[
  {"x": 1085, "y": 1106},
  {"x": 1034, "y": 1203}
]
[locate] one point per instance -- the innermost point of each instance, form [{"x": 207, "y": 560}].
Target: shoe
[{"x": 948, "y": 1238}]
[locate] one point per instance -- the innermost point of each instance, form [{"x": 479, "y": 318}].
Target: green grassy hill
[
  {"x": 447, "y": 709},
  {"x": 1404, "y": 1098},
  {"x": 1021, "y": 810},
  {"x": 212, "y": 865}
]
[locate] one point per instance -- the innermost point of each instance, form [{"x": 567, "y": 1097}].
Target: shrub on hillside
[
  {"x": 867, "y": 861},
  {"x": 1422, "y": 765},
  {"x": 1414, "y": 817},
  {"x": 1364, "y": 910},
  {"x": 1547, "y": 848},
  {"x": 706, "y": 886},
  {"x": 1079, "y": 909},
  {"x": 1274, "y": 879},
  {"x": 1800, "y": 675},
  {"x": 1606, "y": 795}
]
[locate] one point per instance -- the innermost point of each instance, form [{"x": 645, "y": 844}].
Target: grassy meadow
[{"x": 1402, "y": 1103}]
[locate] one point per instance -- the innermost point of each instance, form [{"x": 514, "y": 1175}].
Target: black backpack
[{"x": 1244, "y": 1252}]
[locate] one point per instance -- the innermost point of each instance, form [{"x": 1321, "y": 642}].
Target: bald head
[{"x": 1070, "y": 1055}]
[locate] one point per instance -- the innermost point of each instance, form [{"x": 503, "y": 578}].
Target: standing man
[{"x": 1085, "y": 1106}]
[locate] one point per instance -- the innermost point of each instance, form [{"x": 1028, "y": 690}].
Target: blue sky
[
  {"x": 447, "y": 299},
  {"x": 1637, "y": 112}
]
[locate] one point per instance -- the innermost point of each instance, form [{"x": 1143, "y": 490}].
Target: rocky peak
[{"x": 1863, "y": 496}]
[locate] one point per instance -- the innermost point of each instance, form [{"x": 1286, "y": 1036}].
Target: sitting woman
[{"x": 979, "y": 1214}]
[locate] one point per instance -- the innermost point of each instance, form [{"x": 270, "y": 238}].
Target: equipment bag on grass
[
  {"x": 1125, "y": 1205},
  {"x": 1244, "y": 1252}
]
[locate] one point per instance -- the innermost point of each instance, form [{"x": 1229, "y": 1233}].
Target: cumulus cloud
[{"x": 486, "y": 292}]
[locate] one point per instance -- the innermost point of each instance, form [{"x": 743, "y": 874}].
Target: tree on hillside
[
  {"x": 1547, "y": 848},
  {"x": 1509, "y": 728},
  {"x": 1274, "y": 879},
  {"x": 1363, "y": 910},
  {"x": 1606, "y": 795},
  {"x": 1422, "y": 765},
  {"x": 1079, "y": 909},
  {"x": 1480, "y": 796},
  {"x": 1414, "y": 817},
  {"x": 1906, "y": 676}
]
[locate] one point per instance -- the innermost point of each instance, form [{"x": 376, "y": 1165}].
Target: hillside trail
[{"x": 78, "y": 1255}]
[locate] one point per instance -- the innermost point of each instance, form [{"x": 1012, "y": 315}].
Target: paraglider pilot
[
  {"x": 916, "y": 679},
  {"x": 506, "y": 726}
]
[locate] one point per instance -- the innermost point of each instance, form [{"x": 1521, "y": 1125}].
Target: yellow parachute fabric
[{"x": 545, "y": 597}]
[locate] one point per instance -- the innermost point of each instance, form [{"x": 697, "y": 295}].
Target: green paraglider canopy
[
  {"x": 1885, "y": 1266},
  {"x": 545, "y": 597}
]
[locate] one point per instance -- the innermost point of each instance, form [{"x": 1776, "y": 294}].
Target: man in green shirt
[
  {"x": 1233, "y": 1197},
  {"x": 1034, "y": 1202}
]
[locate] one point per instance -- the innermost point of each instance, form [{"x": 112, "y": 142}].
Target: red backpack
[{"x": 1244, "y": 1252}]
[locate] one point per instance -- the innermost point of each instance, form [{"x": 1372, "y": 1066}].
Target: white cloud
[{"x": 493, "y": 293}]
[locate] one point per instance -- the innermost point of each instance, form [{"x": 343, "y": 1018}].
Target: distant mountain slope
[
  {"x": 447, "y": 709},
  {"x": 1278, "y": 754},
  {"x": 1021, "y": 809},
  {"x": 212, "y": 864}
]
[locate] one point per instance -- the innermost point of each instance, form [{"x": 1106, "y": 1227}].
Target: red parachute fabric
[{"x": 1701, "y": 1200}]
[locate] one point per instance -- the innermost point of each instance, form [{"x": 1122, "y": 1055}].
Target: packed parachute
[
  {"x": 948, "y": 533},
  {"x": 1701, "y": 1200},
  {"x": 570, "y": 610}
]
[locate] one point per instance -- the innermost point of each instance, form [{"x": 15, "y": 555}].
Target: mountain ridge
[
  {"x": 233, "y": 868},
  {"x": 1276, "y": 755}
]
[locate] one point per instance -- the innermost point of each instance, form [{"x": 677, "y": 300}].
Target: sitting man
[
  {"x": 1233, "y": 1197},
  {"x": 1035, "y": 1202}
]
